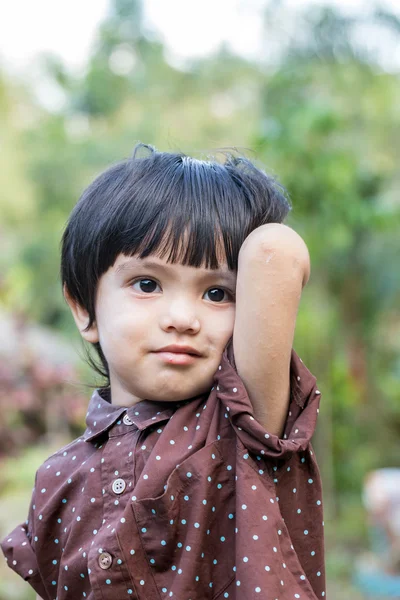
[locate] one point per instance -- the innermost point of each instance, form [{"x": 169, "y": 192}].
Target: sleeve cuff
[
  {"x": 21, "y": 558},
  {"x": 302, "y": 412}
]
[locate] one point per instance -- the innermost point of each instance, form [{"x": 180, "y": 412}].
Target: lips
[{"x": 174, "y": 348}]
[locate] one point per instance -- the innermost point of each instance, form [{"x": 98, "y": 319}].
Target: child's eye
[
  {"x": 219, "y": 294},
  {"x": 148, "y": 286}
]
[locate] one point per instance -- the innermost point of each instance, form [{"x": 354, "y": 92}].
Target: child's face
[{"x": 143, "y": 305}]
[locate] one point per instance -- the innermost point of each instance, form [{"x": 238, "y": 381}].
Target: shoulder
[{"x": 62, "y": 462}]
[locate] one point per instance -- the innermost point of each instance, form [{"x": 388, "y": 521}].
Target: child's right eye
[{"x": 146, "y": 285}]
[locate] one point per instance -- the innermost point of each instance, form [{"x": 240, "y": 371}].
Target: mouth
[{"x": 176, "y": 349}]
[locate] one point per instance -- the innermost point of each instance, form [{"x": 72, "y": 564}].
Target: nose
[{"x": 180, "y": 315}]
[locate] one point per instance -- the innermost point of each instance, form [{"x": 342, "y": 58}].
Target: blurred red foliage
[{"x": 40, "y": 399}]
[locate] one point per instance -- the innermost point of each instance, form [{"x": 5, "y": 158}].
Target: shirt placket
[{"x": 108, "y": 570}]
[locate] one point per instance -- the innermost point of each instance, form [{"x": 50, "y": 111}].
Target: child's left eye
[{"x": 219, "y": 294}]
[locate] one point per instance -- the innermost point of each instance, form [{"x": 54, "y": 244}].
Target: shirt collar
[{"x": 102, "y": 415}]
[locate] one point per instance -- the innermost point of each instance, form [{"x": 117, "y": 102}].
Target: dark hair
[{"x": 144, "y": 204}]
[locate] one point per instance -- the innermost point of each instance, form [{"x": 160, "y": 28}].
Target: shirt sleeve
[
  {"x": 19, "y": 552},
  {"x": 302, "y": 412},
  {"x": 291, "y": 461}
]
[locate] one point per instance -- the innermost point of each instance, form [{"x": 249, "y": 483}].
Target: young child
[{"x": 195, "y": 478}]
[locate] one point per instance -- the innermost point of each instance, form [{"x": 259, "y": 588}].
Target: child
[{"x": 195, "y": 478}]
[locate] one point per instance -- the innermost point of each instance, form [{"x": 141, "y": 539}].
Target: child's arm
[{"x": 274, "y": 266}]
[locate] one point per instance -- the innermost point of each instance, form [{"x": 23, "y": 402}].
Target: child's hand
[{"x": 273, "y": 268}]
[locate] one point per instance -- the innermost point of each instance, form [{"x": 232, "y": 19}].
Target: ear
[{"x": 81, "y": 317}]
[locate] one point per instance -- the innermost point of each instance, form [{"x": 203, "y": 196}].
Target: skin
[{"x": 273, "y": 268}]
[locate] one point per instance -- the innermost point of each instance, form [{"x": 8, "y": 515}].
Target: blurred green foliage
[{"x": 324, "y": 117}]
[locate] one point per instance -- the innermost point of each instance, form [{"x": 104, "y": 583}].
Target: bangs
[
  {"x": 192, "y": 217},
  {"x": 193, "y": 244},
  {"x": 192, "y": 212}
]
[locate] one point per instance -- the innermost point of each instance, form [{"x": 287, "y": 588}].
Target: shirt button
[
  {"x": 105, "y": 560},
  {"x": 127, "y": 420},
  {"x": 118, "y": 486}
]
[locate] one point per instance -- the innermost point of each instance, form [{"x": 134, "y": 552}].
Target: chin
[{"x": 174, "y": 396}]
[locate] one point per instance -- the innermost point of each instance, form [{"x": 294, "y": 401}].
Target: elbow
[{"x": 277, "y": 243}]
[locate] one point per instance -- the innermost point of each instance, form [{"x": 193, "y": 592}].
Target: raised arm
[{"x": 274, "y": 266}]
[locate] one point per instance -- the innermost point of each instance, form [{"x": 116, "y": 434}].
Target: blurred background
[{"x": 309, "y": 90}]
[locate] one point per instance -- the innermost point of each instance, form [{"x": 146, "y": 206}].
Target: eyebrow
[{"x": 150, "y": 264}]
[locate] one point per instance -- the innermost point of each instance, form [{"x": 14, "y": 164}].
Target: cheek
[
  {"x": 121, "y": 326},
  {"x": 223, "y": 327}
]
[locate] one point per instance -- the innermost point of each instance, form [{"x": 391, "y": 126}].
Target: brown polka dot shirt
[{"x": 192, "y": 500}]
